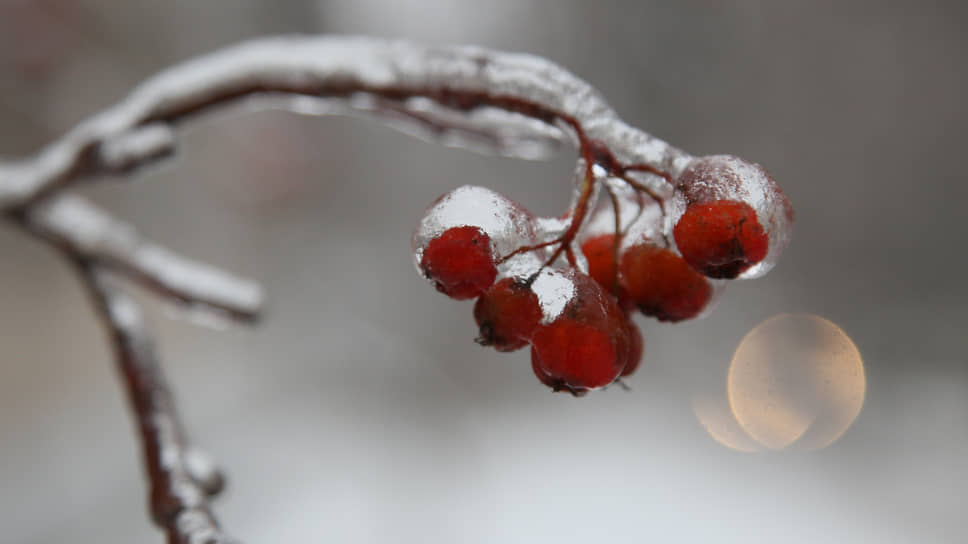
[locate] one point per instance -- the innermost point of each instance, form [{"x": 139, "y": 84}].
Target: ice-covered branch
[
  {"x": 465, "y": 95},
  {"x": 179, "y": 487},
  {"x": 501, "y": 103},
  {"x": 73, "y": 222}
]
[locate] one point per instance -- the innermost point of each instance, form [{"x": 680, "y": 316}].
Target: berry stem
[
  {"x": 525, "y": 249},
  {"x": 618, "y": 233}
]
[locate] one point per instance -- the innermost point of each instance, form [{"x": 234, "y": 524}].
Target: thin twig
[
  {"x": 72, "y": 222},
  {"x": 178, "y": 495}
]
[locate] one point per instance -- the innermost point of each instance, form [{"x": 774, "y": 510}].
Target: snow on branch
[
  {"x": 179, "y": 491},
  {"x": 89, "y": 232},
  {"x": 469, "y": 96}
]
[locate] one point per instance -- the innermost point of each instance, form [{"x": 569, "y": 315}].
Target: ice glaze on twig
[
  {"x": 178, "y": 491},
  {"x": 429, "y": 83},
  {"x": 93, "y": 234}
]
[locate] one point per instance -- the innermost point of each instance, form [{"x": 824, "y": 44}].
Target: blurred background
[{"x": 360, "y": 410}]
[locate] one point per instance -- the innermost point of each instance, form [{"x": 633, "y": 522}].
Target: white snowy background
[{"x": 360, "y": 410}]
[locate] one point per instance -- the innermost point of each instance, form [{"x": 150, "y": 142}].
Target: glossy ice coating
[
  {"x": 555, "y": 289},
  {"x": 509, "y": 225},
  {"x": 488, "y": 100}
]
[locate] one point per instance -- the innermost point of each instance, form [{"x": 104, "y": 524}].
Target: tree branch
[
  {"x": 178, "y": 490},
  {"x": 459, "y": 90},
  {"x": 77, "y": 225}
]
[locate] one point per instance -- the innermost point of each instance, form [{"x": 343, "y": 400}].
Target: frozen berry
[
  {"x": 460, "y": 262},
  {"x": 587, "y": 345},
  {"x": 509, "y": 224},
  {"x": 662, "y": 284},
  {"x": 507, "y": 315},
  {"x": 574, "y": 357},
  {"x": 722, "y": 238}
]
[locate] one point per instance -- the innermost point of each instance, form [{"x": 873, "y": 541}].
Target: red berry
[
  {"x": 574, "y": 357},
  {"x": 600, "y": 253},
  {"x": 460, "y": 262},
  {"x": 507, "y": 315},
  {"x": 662, "y": 284},
  {"x": 636, "y": 348},
  {"x": 586, "y": 346},
  {"x": 722, "y": 238}
]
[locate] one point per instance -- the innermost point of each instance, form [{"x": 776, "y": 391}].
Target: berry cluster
[{"x": 726, "y": 217}]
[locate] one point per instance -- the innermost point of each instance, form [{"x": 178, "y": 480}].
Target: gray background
[{"x": 361, "y": 411}]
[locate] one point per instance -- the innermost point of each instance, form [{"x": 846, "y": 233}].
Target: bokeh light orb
[{"x": 796, "y": 379}]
